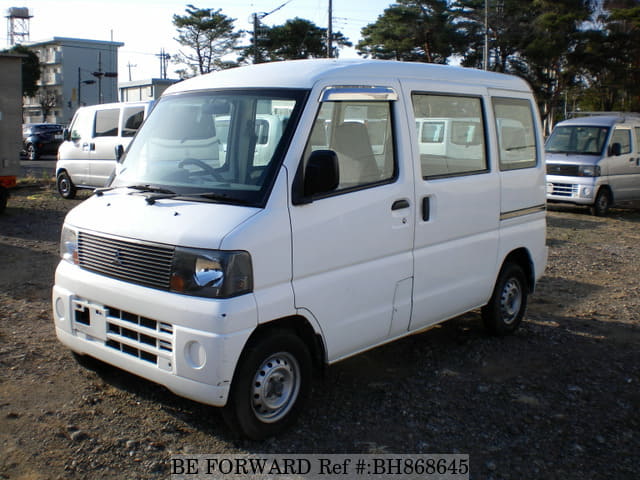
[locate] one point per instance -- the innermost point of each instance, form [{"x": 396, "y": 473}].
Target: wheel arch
[
  {"x": 606, "y": 188},
  {"x": 302, "y": 328},
  {"x": 522, "y": 258}
]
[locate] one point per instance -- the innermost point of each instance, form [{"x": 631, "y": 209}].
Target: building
[
  {"x": 10, "y": 121},
  {"x": 142, "y": 90},
  {"x": 75, "y": 72}
]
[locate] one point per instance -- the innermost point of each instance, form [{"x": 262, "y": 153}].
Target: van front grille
[
  {"x": 136, "y": 262},
  {"x": 563, "y": 170},
  {"x": 141, "y": 337},
  {"x": 564, "y": 189}
]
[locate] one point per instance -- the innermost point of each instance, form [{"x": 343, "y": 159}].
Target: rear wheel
[
  {"x": 602, "y": 204},
  {"x": 271, "y": 384},
  {"x": 66, "y": 188},
  {"x": 503, "y": 314}
]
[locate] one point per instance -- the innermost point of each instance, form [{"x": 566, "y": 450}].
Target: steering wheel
[{"x": 204, "y": 166}]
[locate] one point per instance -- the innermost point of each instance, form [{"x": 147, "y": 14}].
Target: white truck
[{"x": 228, "y": 278}]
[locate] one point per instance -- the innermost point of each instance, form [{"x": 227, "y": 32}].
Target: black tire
[
  {"x": 32, "y": 153},
  {"x": 66, "y": 188},
  {"x": 270, "y": 386},
  {"x": 504, "y": 312},
  {"x": 601, "y": 206},
  {"x": 4, "y": 197}
]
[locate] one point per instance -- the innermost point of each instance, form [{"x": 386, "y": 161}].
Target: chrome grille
[
  {"x": 564, "y": 189},
  {"x": 136, "y": 262}
]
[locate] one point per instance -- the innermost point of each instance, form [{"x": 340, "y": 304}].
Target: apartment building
[{"x": 75, "y": 72}]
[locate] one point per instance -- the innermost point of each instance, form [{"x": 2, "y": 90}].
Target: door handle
[
  {"x": 426, "y": 209},
  {"x": 400, "y": 204}
]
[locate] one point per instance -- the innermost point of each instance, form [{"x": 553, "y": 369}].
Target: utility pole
[
  {"x": 99, "y": 74},
  {"x": 256, "y": 25},
  {"x": 486, "y": 35},
  {"x": 256, "y": 51},
  {"x": 330, "y": 31},
  {"x": 164, "y": 58},
  {"x": 130, "y": 66}
]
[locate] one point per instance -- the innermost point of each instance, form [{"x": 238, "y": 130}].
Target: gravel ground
[{"x": 557, "y": 400}]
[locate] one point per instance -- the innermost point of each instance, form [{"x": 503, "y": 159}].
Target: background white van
[
  {"x": 87, "y": 157},
  {"x": 594, "y": 161}
]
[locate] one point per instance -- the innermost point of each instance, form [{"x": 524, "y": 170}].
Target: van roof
[
  {"x": 600, "y": 120},
  {"x": 102, "y": 106},
  {"x": 306, "y": 73}
]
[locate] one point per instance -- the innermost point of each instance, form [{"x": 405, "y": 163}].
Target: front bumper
[
  {"x": 189, "y": 345},
  {"x": 576, "y": 190}
]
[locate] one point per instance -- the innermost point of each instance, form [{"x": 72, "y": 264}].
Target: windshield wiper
[
  {"x": 152, "y": 193},
  {"x": 151, "y": 189},
  {"x": 218, "y": 197}
]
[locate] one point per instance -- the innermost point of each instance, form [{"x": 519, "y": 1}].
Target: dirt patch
[{"x": 559, "y": 399}]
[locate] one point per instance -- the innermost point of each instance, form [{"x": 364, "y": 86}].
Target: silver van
[
  {"x": 594, "y": 161},
  {"x": 87, "y": 157}
]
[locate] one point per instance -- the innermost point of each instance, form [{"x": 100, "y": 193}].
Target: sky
[{"x": 145, "y": 26}]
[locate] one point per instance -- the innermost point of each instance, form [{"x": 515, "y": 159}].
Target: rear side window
[
  {"x": 107, "y": 122},
  {"x": 451, "y": 135},
  {"x": 132, "y": 118},
  {"x": 516, "y": 133}
]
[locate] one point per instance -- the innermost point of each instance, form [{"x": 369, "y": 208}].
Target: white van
[
  {"x": 594, "y": 161},
  {"x": 87, "y": 157},
  {"x": 228, "y": 280}
]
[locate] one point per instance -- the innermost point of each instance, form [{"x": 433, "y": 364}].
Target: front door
[{"x": 352, "y": 248}]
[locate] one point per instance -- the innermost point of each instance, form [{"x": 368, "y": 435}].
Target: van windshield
[
  {"x": 213, "y": 146},
  {"x": 578, "y": 140}
]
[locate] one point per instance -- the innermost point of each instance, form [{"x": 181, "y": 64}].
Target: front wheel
[
  {"x": 271, "y": 384},
  {"x": 66, "y": 188},
  {"x": 602, "y": 204},
  {"x": 503, "y": 314}
]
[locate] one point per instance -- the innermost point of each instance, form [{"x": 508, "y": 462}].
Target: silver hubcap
[
  {"x": 510, "y": 301},
  {"x": 275, "y": 387},
  {"x": 64, "y": 185}
]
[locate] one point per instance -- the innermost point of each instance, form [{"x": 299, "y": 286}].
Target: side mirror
[
  {"x": 322, "y": 173},
  {"x": 615, "y": 150},
  {"x": 66, "y": 134},
  {"x": 119, "y": 151}
]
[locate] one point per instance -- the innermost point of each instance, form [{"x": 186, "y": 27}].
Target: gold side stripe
[{"x": 522, "y": 211}]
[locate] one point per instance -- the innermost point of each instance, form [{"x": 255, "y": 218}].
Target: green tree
[
  {"x": 30, "y": 70},
  {"x": 609, "y": 58},
  {"x": 295, "y": 39},
  {"x": 209, "y": 35},
  {"x": 508, "y": 32},
  {"x": 411, "y": 30},
  {"x": 557, "y": 32}
]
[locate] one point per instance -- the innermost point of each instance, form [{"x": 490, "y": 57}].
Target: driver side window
[{"x": 360, "y": 134}]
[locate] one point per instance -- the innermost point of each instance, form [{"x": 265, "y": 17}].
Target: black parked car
[{"x": 40, "y": 138}]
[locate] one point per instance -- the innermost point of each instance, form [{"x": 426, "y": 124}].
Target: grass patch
[{"x": 31, "y": 179}]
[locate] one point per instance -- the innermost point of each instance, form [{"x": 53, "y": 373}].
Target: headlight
[
  {"x": 589, "y": 171},
  {"x": 69, "y": 245},
  {"x": 211, "y": 273}
]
